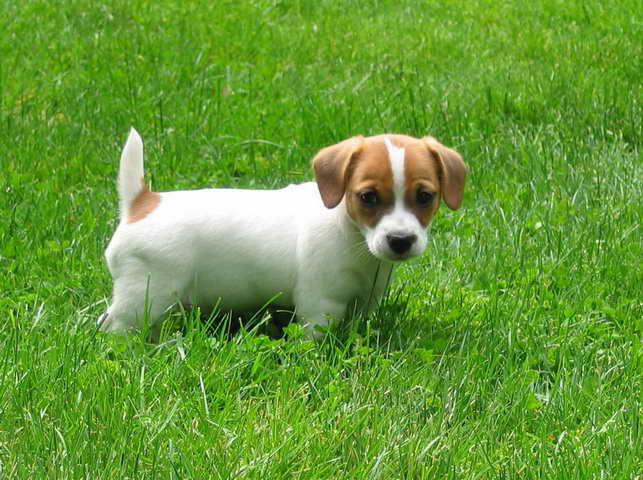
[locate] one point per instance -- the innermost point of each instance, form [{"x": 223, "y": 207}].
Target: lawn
[{"x": 511, "y": 349}]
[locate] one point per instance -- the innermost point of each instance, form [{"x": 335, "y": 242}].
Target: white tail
[{"x": 130, "y": 172}]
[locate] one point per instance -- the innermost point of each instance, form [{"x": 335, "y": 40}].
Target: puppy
[{"x": 317, "y": 249}]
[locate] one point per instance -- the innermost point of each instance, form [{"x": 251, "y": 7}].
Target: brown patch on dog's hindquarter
[{"x": 145, "y": 203}]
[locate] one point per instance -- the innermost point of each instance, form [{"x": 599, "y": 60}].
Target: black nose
[{"x": 400, "y": 244}]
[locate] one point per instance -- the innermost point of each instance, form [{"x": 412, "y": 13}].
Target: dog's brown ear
[
  {"x": 331, "y": 167},
  {"x": 453, "y": 172}
]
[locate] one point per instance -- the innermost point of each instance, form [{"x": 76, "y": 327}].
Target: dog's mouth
[
  {"x": 401, "y": 257},
  {"x": 390, "y": 256}
]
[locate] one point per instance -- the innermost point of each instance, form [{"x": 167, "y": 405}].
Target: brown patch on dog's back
[{"x": 145, "y": 203}]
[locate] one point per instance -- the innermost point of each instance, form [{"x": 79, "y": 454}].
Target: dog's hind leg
[{"x": 134, "y": 306}]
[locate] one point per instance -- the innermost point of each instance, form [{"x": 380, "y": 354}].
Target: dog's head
[{"x": 392, "y": 185}]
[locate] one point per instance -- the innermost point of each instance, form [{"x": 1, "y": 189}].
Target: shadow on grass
[{"x": 394, "y": 326}]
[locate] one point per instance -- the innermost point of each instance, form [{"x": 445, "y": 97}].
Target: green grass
[{"x": 512, "y": 349}]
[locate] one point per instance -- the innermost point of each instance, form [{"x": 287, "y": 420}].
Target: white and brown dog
[{"x": 314, "y": 248}]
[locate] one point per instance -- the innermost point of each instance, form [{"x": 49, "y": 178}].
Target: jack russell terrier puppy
[{"x": 314, "y": 248}]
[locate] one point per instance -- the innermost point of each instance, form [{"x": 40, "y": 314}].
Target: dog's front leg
[{"x": 314, "y": 311}]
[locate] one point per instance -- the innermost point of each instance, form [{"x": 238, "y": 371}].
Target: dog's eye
[
  {"x": 368, "y": 197},
  {"x": 424, "y": 197}
]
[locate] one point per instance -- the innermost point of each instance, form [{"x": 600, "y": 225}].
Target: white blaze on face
[
  {"x": 396, "y": 157},
  {"x": 399, "y": 221}
]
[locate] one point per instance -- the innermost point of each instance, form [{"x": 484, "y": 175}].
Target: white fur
[
  {"x": 130, "y": 172},
  {"x": 244, "y": 247},
  {"x": 396, "y": 159}
]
